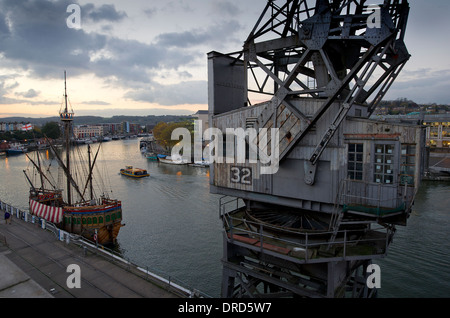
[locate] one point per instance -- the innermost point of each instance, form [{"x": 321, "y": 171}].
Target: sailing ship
[{"x": 98, "y": 219}]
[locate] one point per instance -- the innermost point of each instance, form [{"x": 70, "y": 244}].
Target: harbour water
[{"x": 173, "y": 226}]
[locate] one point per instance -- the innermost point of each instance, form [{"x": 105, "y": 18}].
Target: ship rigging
[{"x": 81, "y": 211}]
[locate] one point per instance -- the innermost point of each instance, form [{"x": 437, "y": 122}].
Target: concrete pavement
[{"x": 33, "y": 264}]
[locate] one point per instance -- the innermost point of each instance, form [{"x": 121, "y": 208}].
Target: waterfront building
[
  {"x": 437, "y": 127},
  {"x": 15, "y": 126},
  {"x": 125, "y": 128},
  {"x": 134, "y": 129},
  {"x": 88, "y": 131},
  {"x": 112, "y": 128},
  {"x": 438, "y": 131}
]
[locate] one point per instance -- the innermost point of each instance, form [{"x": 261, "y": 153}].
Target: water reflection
[{"x": 7, "y": 163}]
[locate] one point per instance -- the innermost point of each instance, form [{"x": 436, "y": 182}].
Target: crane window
[
  {"x": 355, "y": 161},
  {"x": 384, "y": 163}
]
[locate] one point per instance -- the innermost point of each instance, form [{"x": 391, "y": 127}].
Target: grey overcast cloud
[{"x": 149, "y": 57}]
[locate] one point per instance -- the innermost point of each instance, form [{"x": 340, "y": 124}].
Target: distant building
[
  {"x": 126, "y": 127},
  {"x": 123, "y": 128},
  {"x": 438, "y": 131},
  {"x": 112, "y": 129},
  {"x": 437, "y": 127},
  {"x": 5, "y": 127},
  {"x": 203, "y": 115},
  {"x": 134, "y": 129},
  {"x": 88, "y": 131}
]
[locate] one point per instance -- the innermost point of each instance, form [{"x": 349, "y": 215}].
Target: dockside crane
[{"x": 314, "y": 71}]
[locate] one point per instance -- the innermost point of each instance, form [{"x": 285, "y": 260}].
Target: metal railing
[
  {"x": 351, "y": 194},
  {"x": 305, "y": 247},
  {"x": 166, "y": 280},
  {"x": 159, "y": 277}
]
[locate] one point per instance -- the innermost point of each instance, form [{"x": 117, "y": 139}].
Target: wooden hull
[
  {"x": 106, "y": 235},
  {"x": 98, "y": 223},
  {"x": 103, "y": 220}
]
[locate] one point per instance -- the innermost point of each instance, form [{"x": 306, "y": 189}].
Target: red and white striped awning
[{"x": 49, "y": 213}]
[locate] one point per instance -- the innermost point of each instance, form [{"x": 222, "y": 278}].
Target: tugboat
[{"x": 96, "y": 218}]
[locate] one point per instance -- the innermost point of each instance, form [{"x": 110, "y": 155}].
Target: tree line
[{"x": 163, "y": 132}]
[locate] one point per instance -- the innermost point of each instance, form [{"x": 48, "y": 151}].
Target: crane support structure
[{"x": 313, "y": 71}]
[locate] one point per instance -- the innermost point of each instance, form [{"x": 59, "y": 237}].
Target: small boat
[
  {"x": 151, "y": 156},
  {"x": 43, "y": 146},
  {"x": 2, "y": 154},
  {"x": 129, "y": 171},
  {"x": 147, "y": 145},
  {"x": 16, "y": 149},
  {"x": 201, "y": 164},
  {"x": 173, "y": 161},
  {"x": 79, "y": 141}
]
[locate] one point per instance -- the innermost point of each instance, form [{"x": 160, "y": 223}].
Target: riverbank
[
  {"x": 437, "y": 165},
  {"x": 35, "y": 264}
]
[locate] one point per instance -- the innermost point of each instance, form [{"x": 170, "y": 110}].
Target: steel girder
[{"x": 331, "y": 50}]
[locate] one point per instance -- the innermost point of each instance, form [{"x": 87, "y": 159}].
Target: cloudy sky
[{"x": 149, "y": 57}]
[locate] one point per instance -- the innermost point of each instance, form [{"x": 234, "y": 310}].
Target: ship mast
[
  {"x": 91, "y": 191},
  {"x": 67, "y": 118}
]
